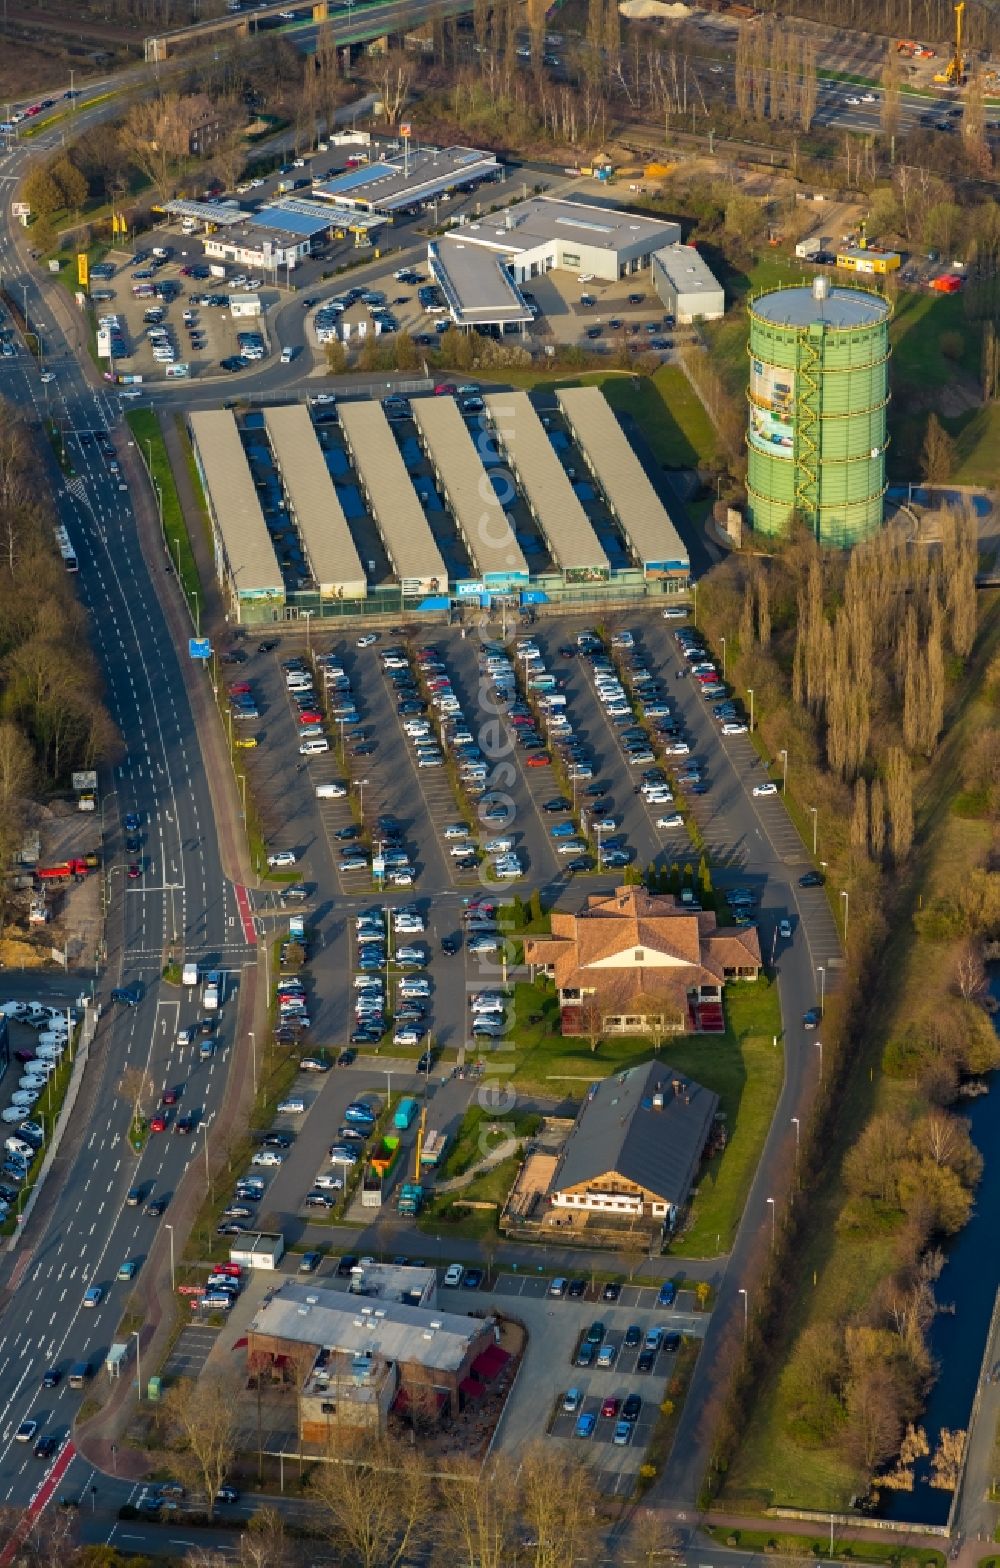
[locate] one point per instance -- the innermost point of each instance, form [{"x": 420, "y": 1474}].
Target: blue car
[
  {"x": 585, "y": 1425},
  {"x": 667, "y": 1294},
  {"x": 563, "y": 830}
]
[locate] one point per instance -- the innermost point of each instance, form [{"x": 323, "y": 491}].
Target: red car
[
  {"x": 240, "y": 688},
  {"x": 169, "y": 1097},
  {"x": 134, "y": 873},
  {"x": 538, "y": 759},
  {"x": 310, "y": 717},
  {"x": 610, "y": 1408},
  {"x": 232, "y": 1269},
  {"x": 443, "y": 388},
  {"x": 158, "y": 1123}
]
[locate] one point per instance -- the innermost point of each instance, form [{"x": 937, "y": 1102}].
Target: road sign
[
  {"x": 20, "y": 209},
  {"x": 199, "y": 647}
]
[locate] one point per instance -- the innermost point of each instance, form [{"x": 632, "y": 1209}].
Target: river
[{"x": 969, "y": 1279}]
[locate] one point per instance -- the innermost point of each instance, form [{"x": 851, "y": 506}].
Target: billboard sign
[
  {"x": 772, "y": 400},
  {"x": 83, "y": 269},
  {"x": 84, "y": 780},
  {"x": 200, "y": 647}
]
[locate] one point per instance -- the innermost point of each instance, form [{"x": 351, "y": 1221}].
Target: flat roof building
[
  {"x": 552, "y": 233},
  {"x": 649, "y": 531},
  {"x": 568, "y": 531},
  {"x": 481, "y": 521},
  {"x": 688, "y": 287},
  {"x": 394, "y": 184},
  {"x": 330, "y": 551},
  {"x": 477, "y": 284},
  {"x": 399, "y": 516},
  {"x": 268, "y": 249},
  {"x": 317, "y": 1325},
  {"x": 245, "y": 562}
]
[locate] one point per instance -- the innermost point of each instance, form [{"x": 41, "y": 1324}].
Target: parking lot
[
  {"x": 555, "y": 1330},
  {"x": 188, "y": 314}
]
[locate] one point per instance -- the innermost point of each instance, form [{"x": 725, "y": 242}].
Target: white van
[
  {"x": 315, "y": 747},
  {"x": 331, "y": 791},
  {"x": 189, "y": 974}
]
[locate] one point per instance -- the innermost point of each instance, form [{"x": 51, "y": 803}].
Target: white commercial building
[
  {"x": 689, "y": 289},
  {"x": 553, "y": 234}
]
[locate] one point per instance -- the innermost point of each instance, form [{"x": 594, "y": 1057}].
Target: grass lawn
[
  {"x": 743, "y": 1067},
  {"x": 977, "y": 442},
  {"x": 871, "y": 1551},
  {"x": 449, "y": 1214},
  {"x": 475, "y": 1139},
  {"x": 915, "y": 334},
  {"x": 146, "y": 430}
]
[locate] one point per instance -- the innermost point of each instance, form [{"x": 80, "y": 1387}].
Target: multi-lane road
[{"x": 85, "y": 1230}]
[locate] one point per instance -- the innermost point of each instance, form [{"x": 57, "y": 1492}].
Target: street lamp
[
  {"x": 815, "y": 817},
  {"x": 746, "y": 1309},
  {"x": 845, "y": 895},
  {"x": 388, "y": 1096},
  {"x": 819, "y": 1047},
  {"x": 170, "y": 1228},
  {"x": 253, "y": 1048},
  {"x": 723, "y": 642},
  {"x": 599, "y": 829},
  {"x": 750, "y": 695},
  {"x": 783, "y": 754},
  {"x": 798, "y": 1129},
  {"x": 138, "y": 1364},
  {"x": 821, "y": 971},
  {"x": 773, "y": 1207},
  {"x": 361, "y": 798},
  {"x": 307, "y": 617}
]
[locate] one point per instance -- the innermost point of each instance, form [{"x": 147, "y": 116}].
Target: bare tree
[
  {"x": 377, "y": 1505},
  {"x": 652, "y": 1539},
  {"x": 394, "y": 83},
  {"x": 937, "y": 456},
  {"x": 970, "y": 972},
  {"x": 556, "y": 1503},
  {"x": 134, "y": 1087},
  {"x": 264, "y": 1543},
  {"x": 203, "y": 1414},
  {"x": 477, "y": 1522},
  {"x": 156, "y": 135}
]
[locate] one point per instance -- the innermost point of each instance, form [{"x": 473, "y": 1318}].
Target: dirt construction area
[{"x": 200, "y": 334}]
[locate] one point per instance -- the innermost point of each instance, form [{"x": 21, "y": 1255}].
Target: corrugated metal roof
[
  {"x": 567, "y": 528},
  {"x": 405, "y": 530},
  {"x": 233, "y": 495},
  {"x": 647, "y": 524},
  {"x": 330, "y": 550},
  {"x": 291, "y": 222},
  {"x": 481, "y": 518}
]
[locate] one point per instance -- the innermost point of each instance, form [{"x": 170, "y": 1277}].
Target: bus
[{"x": 65, "y": 549}]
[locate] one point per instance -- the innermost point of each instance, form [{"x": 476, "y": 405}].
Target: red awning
[
  {"x": 470, "y": 1388},
  {"x": 490, "y": 1364}
]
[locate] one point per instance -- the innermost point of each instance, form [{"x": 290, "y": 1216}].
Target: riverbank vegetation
[{"x": 870, "y": 672}]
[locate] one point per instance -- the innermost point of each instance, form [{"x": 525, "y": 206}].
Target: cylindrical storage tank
[{"x": 818, "y": 393}]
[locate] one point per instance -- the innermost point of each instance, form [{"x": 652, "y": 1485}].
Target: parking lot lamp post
[
  {"x": 307, "y": 617},
  {"x": 750, "y": 695},
  {"x": 723, "y": 642},
  {"x": 173, "y": 1279},
  {"x": 253, "y": 1049},
  {"x": 815, "y": 817},
  {"x": 388, "y": 1096},
  {"x": 783, "y": 754},
  {"x": 819, "y": 1047},
  {"x": 746, "y": 1309},
  {"x": 774, "y": 1208},
  {"x": 138, "y": 1364},
  {"x": 821, "y": 971},
  {"x": 845, "y": 895},
  {"x": 798, "y": 1129},
  {"x": 361, "y": 798}
]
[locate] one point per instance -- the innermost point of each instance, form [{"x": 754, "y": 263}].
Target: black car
[
  {"x": 633, "y": 1337},
  {"x": 811, "y": 879},
  {"x": 229, "y": 1494},
  {"x": 230, "y": 1228},
  {"x": 611, "y": 1291},
  {"x": 277, "y": 1140},
  {"x": 576, "y": 1289},
  {"x": 346, "y": 1264},
  {"x": 346, "y": 1058},
  {"x": 646, "y": 1361},
  {"x": 184, "y": 1125},
  {"x": 451, "y": 944},
  {"x": 671, "y": 1342},
  {"x": 556, "y": 805},
  {"x": 632, "y": 1407},
  {"x": 266, "y": 647},
  {"x": 155, "y": 1207},
  {"x": 52, "y": 1378},
  {"x": 425, "y": 1062},
  {"x": 46, "y": 1446}
]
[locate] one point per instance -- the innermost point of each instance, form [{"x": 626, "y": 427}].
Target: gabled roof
[{"x": 649, "y": 1125}]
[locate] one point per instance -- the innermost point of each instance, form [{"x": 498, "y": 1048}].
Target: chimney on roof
[{"x": 677, "y": 1084}]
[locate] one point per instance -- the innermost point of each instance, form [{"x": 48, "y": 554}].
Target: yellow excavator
[{"x": 954, "y": 71}]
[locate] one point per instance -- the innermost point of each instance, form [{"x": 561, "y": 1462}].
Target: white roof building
[{"x": 687, "y": 286}]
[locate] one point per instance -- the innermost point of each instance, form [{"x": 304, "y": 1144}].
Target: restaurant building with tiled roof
[{"x": 633, "y": 962}]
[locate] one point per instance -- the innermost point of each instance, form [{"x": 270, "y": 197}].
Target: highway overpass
[{"x": 353, "y": 24}]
